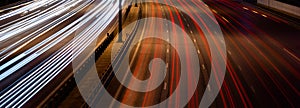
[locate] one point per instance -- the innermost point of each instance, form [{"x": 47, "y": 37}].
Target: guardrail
[{"x": 109, "y": 74}]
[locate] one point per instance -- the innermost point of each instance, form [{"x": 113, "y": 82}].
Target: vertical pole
[
  {"x": 120, "y": 21},
  {"x": 135, "y": 3}
]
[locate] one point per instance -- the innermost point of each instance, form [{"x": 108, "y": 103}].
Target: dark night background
[
  {"x": 6, "y": 2},
  {"x": 291, "y": 2}
]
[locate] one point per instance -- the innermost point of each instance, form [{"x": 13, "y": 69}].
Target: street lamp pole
[{"x": 120, "y": 21}]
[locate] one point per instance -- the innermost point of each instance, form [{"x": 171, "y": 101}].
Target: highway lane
[
  {"x": 33, "y": 42},
  {"x": 21, "y": 28},
  {"x": 38, "y": 31},
  {"x": 262, "y": 62},
  {"x": 28, "y": 8},
  {"x": 142, "y": 54},
  {"x": 263, "y": 56},
  {"x": 17, "y": 72},
  {"x": 29, "y": 14}
]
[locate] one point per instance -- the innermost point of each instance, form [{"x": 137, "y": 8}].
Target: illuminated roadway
[{"x": 262, "y": 52}]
